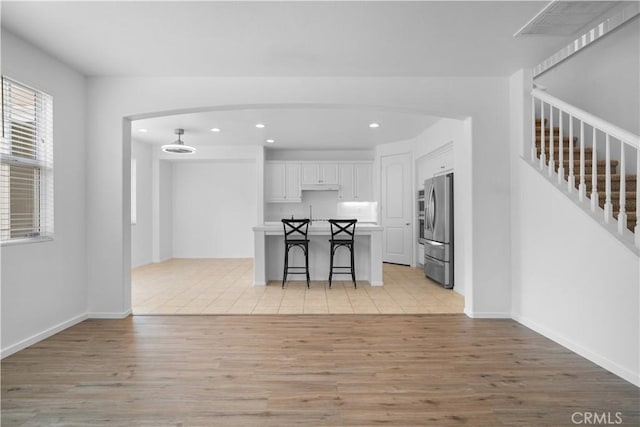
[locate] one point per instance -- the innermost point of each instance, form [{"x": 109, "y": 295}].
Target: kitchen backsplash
[
  {"x": 363, "y": 211},
  {"x": 324, "y": 205}
]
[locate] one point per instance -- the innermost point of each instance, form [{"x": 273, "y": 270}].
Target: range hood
[{"x": 320, "y": 187}]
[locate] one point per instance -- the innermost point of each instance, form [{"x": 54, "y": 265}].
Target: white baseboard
[
  {"x": 377, "y": 283},
  {"x": 259, "y": 283},
  {"x": 14, "y": 348},
  {"x": 109, "y": 315},
  {"x": 487, "y": 314},
  {"x": 609, "y": 365}
]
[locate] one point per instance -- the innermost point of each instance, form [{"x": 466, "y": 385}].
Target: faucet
[{"x": 310, "y": 214}]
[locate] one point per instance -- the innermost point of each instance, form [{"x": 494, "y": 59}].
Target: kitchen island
[{"x": 269, "y": 253}]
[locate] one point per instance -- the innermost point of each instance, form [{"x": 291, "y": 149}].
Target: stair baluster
[
  {"x": 552, "y": 136},
  {"x": 582, "y": 189},
  {"x": 543, "y": 156},
  {"x": 595, "y": 202},
  {"x": 560, "y": 150},
  {"x": 533, "y": 128},
  {"x": 608, "y": 206},
  {"x": 622, "y": 213},
  {"x": 572, "y": 179}
]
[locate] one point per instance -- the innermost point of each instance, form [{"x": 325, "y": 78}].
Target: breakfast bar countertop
[{"x": 316, "y": 227}]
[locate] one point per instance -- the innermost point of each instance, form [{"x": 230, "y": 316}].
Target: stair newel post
[
  {"x": 543, "y": 156},
  {"x": 595, "y": 202},
  {"x": 608, "y": 206},
  {"x": 622, "y": 213},
  {"x": 552, "y": 136},
  {"x": 560, "y": 150},
  {"x": 572, "y": 179},
  {"x": 533, "y": 128},
  {"x": 582, "y": 188},
  {"x": 636, "y": 229}
]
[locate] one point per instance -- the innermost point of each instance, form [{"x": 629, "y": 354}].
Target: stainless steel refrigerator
[{"x": 438, "y": 229}]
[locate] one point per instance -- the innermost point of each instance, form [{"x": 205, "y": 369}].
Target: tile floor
[{"x": 225, "y": 286}]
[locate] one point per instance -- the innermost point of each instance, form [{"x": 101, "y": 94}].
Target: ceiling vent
[{"x": 564, "y": 18}]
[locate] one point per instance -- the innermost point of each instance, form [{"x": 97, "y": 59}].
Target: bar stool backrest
[
  {"x": 342, "y": 229},
  {"x": 295, "y": 229}
]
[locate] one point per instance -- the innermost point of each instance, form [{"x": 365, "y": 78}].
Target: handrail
[
  {"x": 606, "y": 127},
  {"x": 551, "y": 139}
]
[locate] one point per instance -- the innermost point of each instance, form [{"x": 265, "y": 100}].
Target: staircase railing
[{"x": 573, "y": 122}]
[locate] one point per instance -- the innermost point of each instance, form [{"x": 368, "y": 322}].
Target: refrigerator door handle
[
  {"x": 431, "y": 215},
  {"x": 426, "y": 210}
]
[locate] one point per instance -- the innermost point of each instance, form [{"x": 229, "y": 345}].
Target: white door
[{"x": 397, "y": 212}]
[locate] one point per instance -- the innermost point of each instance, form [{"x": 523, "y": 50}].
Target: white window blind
[{"x": 26, "y": 162}]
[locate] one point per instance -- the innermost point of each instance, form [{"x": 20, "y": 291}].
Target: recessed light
[
  {"x": 374, "y": 125},
  {"x": 271, "y": 141},
  {"x": 143, "y": 130},
  {"x": 260, "y": 125},
  {"x": 215, "y": 130}
]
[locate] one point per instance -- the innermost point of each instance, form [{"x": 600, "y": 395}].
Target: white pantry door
[{"x": 397, "y": 212}]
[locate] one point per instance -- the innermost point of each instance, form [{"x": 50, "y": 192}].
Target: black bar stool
[
  {"x": 342, "y": 233},
  {"x": 295, "y": 235}
]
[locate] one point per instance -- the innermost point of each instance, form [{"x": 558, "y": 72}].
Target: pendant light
[{"x": 178, "y": 146}]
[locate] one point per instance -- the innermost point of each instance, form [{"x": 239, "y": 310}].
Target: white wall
[
  {"x": 581, "y": 291},
  {"x": 141, "y": 232},
  {"x": 600, "y": 78},
  {"x": 44, "y": 284},
  {"x": 163, "y": 211},
  {"x": 573, "y": 281},
  {"x": 214, "y": 206}
]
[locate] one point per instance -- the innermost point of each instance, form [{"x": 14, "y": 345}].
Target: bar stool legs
[
  {"x": 342, "y": 235},
  {"x": 295, "y": 235}
]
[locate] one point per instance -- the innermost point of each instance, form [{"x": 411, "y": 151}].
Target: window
[{"x": 26, "y": 163}]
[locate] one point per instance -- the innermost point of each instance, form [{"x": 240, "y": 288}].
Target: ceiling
[
  {"x": 284, "y": 38},
  {"x": 311, "y": 128}
]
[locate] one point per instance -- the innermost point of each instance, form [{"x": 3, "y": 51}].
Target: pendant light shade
[{"x": 178, "y": 146}]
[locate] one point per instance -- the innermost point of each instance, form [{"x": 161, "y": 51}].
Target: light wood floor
[
  {"x": 302, "y": 370},
  {"x": 225, "y": 286}
]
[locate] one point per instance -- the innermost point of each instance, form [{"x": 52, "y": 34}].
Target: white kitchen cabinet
[
  {"x": 363, "y": 182},
  {"x": 345, "y": 181},
  {"x": 355, "y": 180},
  {"x": 437, "y": 162},
  {"x": 292, "y": 186},
  {"x": 283, "y": 182},
  {"x": 319, "y": 173}
]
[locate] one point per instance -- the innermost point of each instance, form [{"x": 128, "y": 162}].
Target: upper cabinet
[
  {"x": 282, "y": 182},
  {"x": 345, "y": 180},
  {"x": 285, "y": 180},
  {"x": 363, "y": 182},
  {"x": 356, "y": 183},
  {"x": 319, "y": 173},
  {"x": 437, "y": 162}
]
